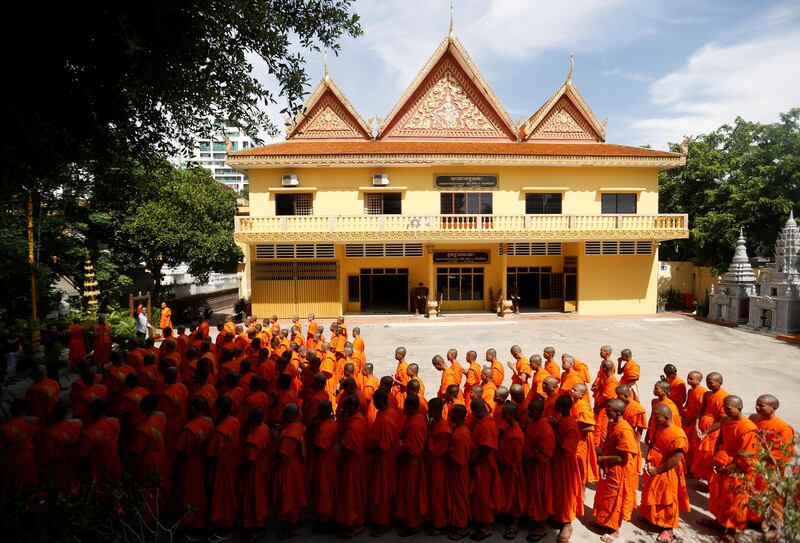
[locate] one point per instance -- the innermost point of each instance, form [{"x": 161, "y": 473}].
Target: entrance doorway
[
  {"x": 384, "y": 290},
  {"x": 533, "y": 285}
]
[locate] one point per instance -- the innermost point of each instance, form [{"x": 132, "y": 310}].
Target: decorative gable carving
[
  {"x": 447, "y": 105},
  {"x": 328, "y": 119},
  {"x": 564, "y": 122}
]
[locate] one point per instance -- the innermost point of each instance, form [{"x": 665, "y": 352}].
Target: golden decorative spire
[
  {"x": 450, "y": 35},
  {"x": 571, "y": 67}
]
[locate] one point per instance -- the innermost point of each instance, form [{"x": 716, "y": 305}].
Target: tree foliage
[{"x": 742, "y": 176}]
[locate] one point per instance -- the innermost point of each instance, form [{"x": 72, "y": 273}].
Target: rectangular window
[
  {"x": 460, "y": 284},
  {"x": 205, "y": 146},
  {"x": 465, "y": 203},
  {"x": 382, "y": 203},
  {"x": 293, "y": 204},
  {"x": 612, "y": 202},
  {"x": 353, "y": 288},
  {"x": 220, "y": 146},
  {"x": 543, "y": 203}
]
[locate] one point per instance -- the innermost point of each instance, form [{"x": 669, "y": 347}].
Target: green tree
[
  {"x": 189, "y": 220},
  {"x": 742, "y": 176}
]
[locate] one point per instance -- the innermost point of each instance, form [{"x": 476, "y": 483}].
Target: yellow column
[{"x": 503, "y": 270}]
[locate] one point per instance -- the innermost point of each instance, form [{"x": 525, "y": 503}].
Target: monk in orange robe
[
  {"x": 84, "y": 391},
  {"x": 368, "y": 389},
  {"x": 436, "y": 463},
  {"x": 383, "y": 444},
  {"x": 568, "y": 499},
  {"x": 455, "y": 365},
  {"x": 57, "y": 450},
  {"x": 352, "y": 495},
  {"x": 487, "y": 497},
  {"x": 618, "y": 461},
  {"x": 488, "y": 388},
  {"x": 728, "y": 494},
  {"x": 224, "y": 452},
  {"x": 458, "y": 473},
  {"x": 677, "y": 386},
  {"x": 538, "y": 375},
  {"x": 550, "y": 389},
  {"x": 448, "y": 376},
  {"x": 661, "y": 392},
  {"x": 690, "y": 414},
  {"x": 77, "y": 343},
  {"x": 605, "y": 354},
  {"x": 166, "y": 317},
  {"x": 607, "y": 384},
  {"x": 412, "y": 484},
  {"x": 192, "y": 447},
  {"x": 328, "y": 369},
  {"x": 521, "y": 371},
  {"x": 98, "y": 443},
  {"x": 587, "y": 451},
  {"x": 318, "y": 395},
  {"x": 516, "y": 395},
  {"x": 583, "y": 370},
  {"x": 324, "y": 438},
  {"x": 779, "y": 437},
  {"x": 42, "y": 394},
  {"x": 569, "y": 377},
  {"x": 257, "y": 470},
  {"x": 173, "y": 403},
  {"x": 629, "y": 372},
  {"x": 540, "y": 444},
  {"x": 664, "y": 495},
  {"x": 498, "y": 371},
  {"x": 473, "y": 374},
  {"x": 150, "y": 461},
  {"x": 358, "y": 341},
  {"x": 550, "y": 365},
  {"x": 636, "y": 416},
  {"x": 400, "y": 375},
  {"x": 17, "y": 455},
  {"x": 509, "y": 460},
  {"x": 708, "y": 428},
  {"x": 290, "y": 476},
  {"x": 101, "y": 343}
]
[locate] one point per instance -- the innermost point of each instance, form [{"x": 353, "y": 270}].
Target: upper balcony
[{"x": 362, "y": 228}]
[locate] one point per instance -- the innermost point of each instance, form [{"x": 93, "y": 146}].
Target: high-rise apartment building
[{"x": 211, "y": 153}]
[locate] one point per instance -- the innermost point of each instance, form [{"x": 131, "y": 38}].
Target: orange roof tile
[{"x": 307, "y": 148}]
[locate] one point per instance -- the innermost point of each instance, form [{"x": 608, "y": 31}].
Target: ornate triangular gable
[
  {"x": 328, "y": 115},
  {"x": 449, "y": 99},
  {"x": 564, "y": 117}
]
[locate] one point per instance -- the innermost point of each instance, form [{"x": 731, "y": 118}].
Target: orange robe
[
  {"x": 552, "y": 367},
  {"x": 522, "y": 367},
  {"x": 371, "y": 384},
  {"x": 384, "y": 442},
  {"x": 399, "y": 391},
  {"x": 611, "y": 505},
  {"x": 458, "y": 477},
  {"x": 17, "y": 456},
  {"x": 536, "y": 380},
  {"x": 692, "y": 409},
  {"x": 635, "y": 416},
  {"x": 358, "y": 344},
  {"x": 290, "y": 475},
  {"x": 509, "y": 459},
  {"x": 651, "y": 427},
  {"x": 778, "y": 434},
  {"x": 436, "y": 462},
  {"x": 102, "y": 344},
  {"x": 77, "y": 345},
  {"x": 324, "y": 470},
  {"x": 458, "y": 371},
  {"x": 487, "y": 497},
  {"x": 225, "y": 445},
  {"x": 568, "y": 499},
  {"x": 473, "y": 378},
  {"x": 583, "y": 370},
  {"x": 498, "y": 373},
  {"x": 602, "y": 395},
  {"x": 98, "y": 443},
  {"x": 550, "y": 405},
  {"x": 677, "y": 391},
  {"x": 630, "y": 376},
  {"x": 193, "y": 445},
  {"x": 448, "y": 378},
  {"x": 703, "y": 461},
  {"x": 412, "y": 484},
  {"x": 172, "y": 402},
  {"x": 540, "y": 444},
  {"x": 257, "y": 477},
  {"x": 151, "y": 464},
  {"x": 41, "y": 397},
  {"x": 328, "y": 369},
  {"x": 166, "y": 318},
  {"x": 664, "y": 494},
  {"x": 352, "y": 496},
  {"x": 728, "y": 496},
  {"x": 587, "y": 453},
  {"x": 57, "y": 454},
  {"x": 568, "y": 380}
]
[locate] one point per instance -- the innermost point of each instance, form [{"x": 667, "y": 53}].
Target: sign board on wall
[
  {"x": 466, "y": 181},
  {"x": 460, "y": 257}
]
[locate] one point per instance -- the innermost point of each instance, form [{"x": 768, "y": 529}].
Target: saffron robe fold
[
  {"x": 587, "y": 452},
  {"x": 57, "y": 453},
  {"x": 488, "y": 497},
  {"x": 512, "y": 473},
  {"x": 324, "y": 470},
  {"x": 225, "y": 445},
  {"x": 17, "y": 456},
  {"x": 352, "y": 497},
  {"x": 412, "y": 487},
  {"x": 290, "y": 474},
  {"x": 728, "y": 495},
  {"x": 458, "y": 478},
  {"x": 436, "y": 463},
  {"x": 98, "y": 442},
  {"x": 257, "y": 477},
  {"x": 193, "y": 445},
  {"x": 540, "y": 444},
  {"x": 665, "y": 494},
  {"x": 703, "y": 461},
  {"x": 568, "y": 499},
  {"x": 384, "y": 442},
  {"x": 611, "y": 505}
]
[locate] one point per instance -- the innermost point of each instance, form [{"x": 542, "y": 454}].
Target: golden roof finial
[
  {"x": 325, "y": 63},
  {"x": 450, "y": 35},
  {"x": 571, "y": 67}
]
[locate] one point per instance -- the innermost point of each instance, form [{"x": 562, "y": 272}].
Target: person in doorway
[{"x": 420, "y": 295}]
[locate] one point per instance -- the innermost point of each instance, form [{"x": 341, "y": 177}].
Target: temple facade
[{"x": 350, "y": 215}]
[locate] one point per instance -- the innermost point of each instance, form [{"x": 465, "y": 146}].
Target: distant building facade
[{"x": 211, "y": 154}]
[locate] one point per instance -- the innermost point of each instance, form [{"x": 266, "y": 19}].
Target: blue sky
[{"x": 657, "y": 70}]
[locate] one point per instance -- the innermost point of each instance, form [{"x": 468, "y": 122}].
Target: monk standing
[
  {"x": 661, "y": 392},
  {"x": 664, "y": 494},
  {"x": 383, "y": 444},
  {"x": 224, "y": 451},
  {"x": 708, "y": 429},
  {"x": 324, "y": 438},
  {"x": 458, "y": 474},
  {"x": 733, "y": 456},
  {"x": 150, "y": 461},
  {"x": 677, "y": 386},
  {"x": 498, "y": 371},
  {"x": 540, "y": 444},
  {"x": 568, "y": 499},
  {"x": 509, "y": 459},
  {"x": 691, "y": 412},
  {"x": 352, "y": 496},
  {"x": 192, "y": 448},
  {"x": 587, "y": 452},
  {"x": 487, "y": 497},
  {"x": 258, "y": 454},
  {"x": 412, "y": 488},
  {"x": 17, "y": 456},
  {"x": 618, "y": 461},
  {"x": 77, "y": 343},
  {"x": 629, "y": 372},
  {"x": 448, "y": 376},
  {"x": 166, "y": 317},
  {"x": 101, "y": 346},
  {"x": 473, "y": 374},
  {"x": 538, "y": 375},
  {"x": 607, "y": 384},
  {"x": 400, "y": 375},
  {"x": 436, "y": 464},
  {"x": 550, "y": 389},
  {"x": 57, "y": 450},
  {"x": 520, "y": 369},
  {"x": 290, "y": 477},
  {"x": 550, "y": 365},
  {"x": 455, "y": 365},
  {"x": 569, "y": 377}
]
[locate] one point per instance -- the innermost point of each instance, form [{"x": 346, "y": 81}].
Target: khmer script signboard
[
  {"x": 466, "y": 181},
  {"x": 460, "y": 257}
]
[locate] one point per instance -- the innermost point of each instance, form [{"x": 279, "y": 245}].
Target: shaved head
[
  {"x": 770, "y": 400},
  {"x": 607, "y": 365},
  {"x": 606, "y": 349},
  {"x": 714, "y": 376},
  {"x": 549, "y": 350},
  {"x": 516, "y": 349},
  {"x": 618, "y": 406},
  {"x": 733, "y": 401}
]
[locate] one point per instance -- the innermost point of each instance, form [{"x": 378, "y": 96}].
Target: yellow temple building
[{"x": 448, "y": 191}]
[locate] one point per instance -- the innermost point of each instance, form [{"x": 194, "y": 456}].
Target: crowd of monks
[{"x": 266, "y": 421}]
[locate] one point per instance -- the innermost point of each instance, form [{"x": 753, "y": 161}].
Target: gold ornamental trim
[{"x": 466, "y": 235}]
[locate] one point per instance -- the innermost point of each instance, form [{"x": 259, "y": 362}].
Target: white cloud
[
  {"x": 755, "y": 79},
  {"x": 631, "y": 76}
]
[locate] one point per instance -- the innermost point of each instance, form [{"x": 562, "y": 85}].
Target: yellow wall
[
  {"x": 686, "y": 277},
  {"x": 338, "y": 192},
  {"x": 617, "y": 284}
]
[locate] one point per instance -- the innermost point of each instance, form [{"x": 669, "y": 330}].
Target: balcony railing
[{"x": 664, "y": 226}]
